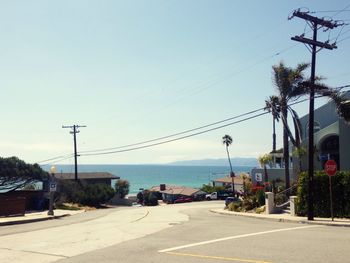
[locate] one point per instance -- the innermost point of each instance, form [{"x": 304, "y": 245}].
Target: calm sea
[{"x": 146, "y": 176}]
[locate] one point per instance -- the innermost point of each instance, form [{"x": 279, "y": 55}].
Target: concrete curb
[
  {"x": 282, "y": 218},
  {"x": 32, "y": 220}
]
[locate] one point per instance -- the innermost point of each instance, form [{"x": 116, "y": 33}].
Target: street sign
[
  {"x": 53, "y": 187},
  {"x": 330, "y": 167},
  {"x": 258, "y": 177}
]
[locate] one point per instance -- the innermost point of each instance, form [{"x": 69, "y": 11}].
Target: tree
[
  {"x": 122, "y": 188},
  {"x": 287, "y": 82},
  {"x": 227, "y": 141},
  {"x": 15, "y": 174},
  {"x": 263, "y": 161},
  {"x": 272, "y": 105}
]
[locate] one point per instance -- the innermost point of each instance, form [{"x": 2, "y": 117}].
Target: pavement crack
[
  {"x": 145, "y": 215},
  {"x": 35, "y": 252}
]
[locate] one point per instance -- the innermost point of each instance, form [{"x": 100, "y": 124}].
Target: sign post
[{"x": 330, "y": 168}]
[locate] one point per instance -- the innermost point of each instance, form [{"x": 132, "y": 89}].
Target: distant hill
[{"x": 218, "y": 162}]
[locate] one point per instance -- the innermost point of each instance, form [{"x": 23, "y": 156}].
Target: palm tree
[
  {"x": 287, "y": 82},
  {"x": 263, "y": 161},
  {"x": 272, "y": 105},
  {"x": 227, "y": 141}
]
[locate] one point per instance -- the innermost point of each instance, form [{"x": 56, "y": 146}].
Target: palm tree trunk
[
  {"x": 274, "y": 135},
  {"x": 231, "y": 174},
  {"x": 286, "y": 150}
]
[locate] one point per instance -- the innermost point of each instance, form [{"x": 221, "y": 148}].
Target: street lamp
[{"x": 52, "y": 189}]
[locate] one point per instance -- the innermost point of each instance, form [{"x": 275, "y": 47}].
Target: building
[
  {"x": 227, "y": 183},
  {"x": 170, "y": 193},
  {"x": 331, "y": 137}
]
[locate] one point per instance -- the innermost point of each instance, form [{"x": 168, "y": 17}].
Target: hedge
[{"x": 340, "y": 194}]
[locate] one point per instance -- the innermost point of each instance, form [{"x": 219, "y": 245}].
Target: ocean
[{"x": 146, "y": 176}]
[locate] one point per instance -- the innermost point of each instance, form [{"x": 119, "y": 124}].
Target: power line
[
  {"x": 95, "y": 152},
  {"x": 330, "y": 11},
  {"x": 54, "y": 158},
  {"x": 176, "y": 139},
  {"x": 175, "y": 134}
]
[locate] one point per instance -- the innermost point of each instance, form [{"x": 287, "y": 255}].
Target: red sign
[{"x": 330, "y": 167}]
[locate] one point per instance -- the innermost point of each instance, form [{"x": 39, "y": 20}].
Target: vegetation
[
  {"x": 227, "y": 141},
  {"x": 341, "y": 194},
  {"x": 264, "y": 160},
  {"x": 271, "y": 105},
  {"x": 253, "y": 199},
  {"x": 122, "y": 188},
  {"x": 150, "y": 198},
  {"x": 288, "y": 84},
  {"x": 84, "y": 194},
  {"x": 16, "y": 174}
]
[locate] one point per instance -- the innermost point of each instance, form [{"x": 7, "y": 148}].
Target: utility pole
[
  {"x": 74, "y": 131},
  {"x": 315, "y": 24}
]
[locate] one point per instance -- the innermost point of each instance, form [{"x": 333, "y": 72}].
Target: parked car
[
  {"x": 217, "y": 196},
  {"x": 229, "y": 200},
  {"x": 183, "y": 200}
]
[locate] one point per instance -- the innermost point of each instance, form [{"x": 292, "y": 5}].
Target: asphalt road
[{"x": 178, "y": 233}]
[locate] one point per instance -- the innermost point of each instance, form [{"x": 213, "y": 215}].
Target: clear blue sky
[{"x": 137, "y": 70}]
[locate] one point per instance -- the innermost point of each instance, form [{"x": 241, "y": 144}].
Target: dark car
[
  {"x": 229, "y": 200},
  {"x": 183, "y": 200}
]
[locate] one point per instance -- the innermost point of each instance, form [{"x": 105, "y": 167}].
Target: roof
[
  {"x": 167, "y": 186},
  {"x": 177, "y": 190},
  {"x": 86, "y": 176},
  {"x": 228, "y": 180}
]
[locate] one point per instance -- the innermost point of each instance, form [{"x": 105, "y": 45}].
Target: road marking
[
  {"x": 235, "y": 237},
  {"x": 215, "y": 257}
]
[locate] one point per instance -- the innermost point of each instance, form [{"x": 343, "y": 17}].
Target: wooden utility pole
[
  {"x": 315, "y": 23},
  {"x": 74, "y": 132}
]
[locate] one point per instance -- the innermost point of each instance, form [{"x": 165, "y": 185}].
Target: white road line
[{"x": 235, "y": 237}]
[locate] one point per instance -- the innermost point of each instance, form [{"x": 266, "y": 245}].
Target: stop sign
[{"x": 330, "y": 167}]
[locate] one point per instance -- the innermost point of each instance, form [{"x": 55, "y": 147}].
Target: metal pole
[
  {"x": 51, "y": 194},
  {"x": 330, "y": 194}
]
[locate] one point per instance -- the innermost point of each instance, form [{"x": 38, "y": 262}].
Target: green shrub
[
  {"x": 235, "y": 206},
  {"x": 260, "y": 197},
  {"x": 85, "y": 194},
  {"x": 150, "y": 198},
  {"x": 340, "y": 193},
  {"x": 96, "y": 194},
  {"x": 122, "y": 188}
]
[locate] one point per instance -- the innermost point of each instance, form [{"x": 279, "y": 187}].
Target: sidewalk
[
  {"x": 288, "y": 218},
  {"x": 30, "y": 217}
]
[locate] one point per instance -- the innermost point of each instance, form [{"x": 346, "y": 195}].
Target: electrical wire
[
  {"x": 176, "y": 139},
  {"x": 175, "y": 134},
  {"x": 110, "y": 150},
  {"x": 58, "y": 157}
]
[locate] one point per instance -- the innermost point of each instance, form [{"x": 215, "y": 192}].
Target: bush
[
  {"x": 235, "y": 206},
  {"x": 260, "y": 197},
  {"x": 340, "y": 193},
  {"x": 85, "y": 194},
  {"x": 150, "y": 198},
  {"x": 96, "y": 194},
  {"x": 122, "y": 188}
]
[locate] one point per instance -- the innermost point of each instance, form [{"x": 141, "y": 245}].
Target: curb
[
  {"x": 33, "y": 220},
  {"x": 280, "y": 219}
]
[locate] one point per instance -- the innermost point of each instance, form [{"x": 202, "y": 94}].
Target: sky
[{"x": 133, "y": 71}]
